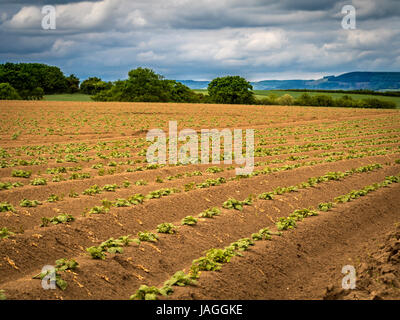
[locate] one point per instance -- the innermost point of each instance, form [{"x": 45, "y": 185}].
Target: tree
[
  {"x": 72, "y": 84},
  {"x": 7, "y": 92},
  {"x": 285, "y": 100},
  {"x": 37, "y": 94},
  {"x": 25, "y": 77},
  {"x": 181, "y": 93},
  {"x": 94, "y": 85},
  {"x": 231, "y": 90},
  {"x": 144, "y": 85}
]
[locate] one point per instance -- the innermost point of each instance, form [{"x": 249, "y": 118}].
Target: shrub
[
  {"x": 7, "y": 92},
  {"x": 285, "y": 100},
  {"x": 376, "y": 103}
]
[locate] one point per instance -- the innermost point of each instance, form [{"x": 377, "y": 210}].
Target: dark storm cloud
[
  {"x": 308, "y": 5},
  {"x": 42, "y": 2},
  {"x": 205, "y": 38}
]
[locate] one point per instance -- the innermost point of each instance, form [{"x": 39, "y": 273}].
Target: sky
[{"x": 203, "y": 39}]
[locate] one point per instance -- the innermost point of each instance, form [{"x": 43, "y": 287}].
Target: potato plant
[
  {"x": 122, "y": 203},
  {"x": 232, "y": 203},
  {"x": 95, "y": 189},
  {"x": 73, "y": 194},
  {"x": 126, "y": 184},
  {"x": 146, "y": 293},
  {"x": 62, "y": 218},
  {"x": 166, "y": 228},
  {"x": 99, "y": 210},
  {"x": 21, "y": 173},
  {"x": 110, "y": 187},
  {"x": 54, "y": 198},
  {"x": 242, "y": 244},
  {"x": 111, "y": 246},
  {"x": 263, "y": 234},
  {"x": 209, "y": 213},
  {"x": 29, "y": 203},
  {"x": 147, "y": 236},
  {"x": 140, "y": 183},
  {"x": 266, "y": 196},
  {"x": 5, "y": 233},
  {"x": 9, "y": 185},
  {"x": 189, "y": 221},
  {"x": 161, "y": 193},
  {"x": 39, "y": 182},
  {"x": 62, "y": 265},
  {"x": 325, "y": 206},
  {"x": 214, "y": 169},
  {"x": 211, "y": 182}
]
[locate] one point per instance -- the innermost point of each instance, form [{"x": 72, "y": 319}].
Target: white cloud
[
  {"x": 206, "y": 38},
  {"x": 26, "y": 18}
]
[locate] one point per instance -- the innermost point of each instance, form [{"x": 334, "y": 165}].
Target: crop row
[{"x": 215, "y": 258}]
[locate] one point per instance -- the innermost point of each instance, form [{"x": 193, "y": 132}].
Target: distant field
[
  {"x": 259, "y": 94},
  {"x": 262, "y": 93},
  {"x": 203, "y": 91},
  {"x": 67, "y": 97}
]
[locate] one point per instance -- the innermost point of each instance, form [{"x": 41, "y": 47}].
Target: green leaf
[{"x": 62, "y": 284}]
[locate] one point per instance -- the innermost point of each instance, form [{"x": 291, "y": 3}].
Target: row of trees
[
  {"x": 144, "y": 85},
  {"x": 322, "y": 100},
  {"x": 33, "y": 80}
]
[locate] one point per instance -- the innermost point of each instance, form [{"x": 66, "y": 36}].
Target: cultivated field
[{"x": 74, "y": 184}]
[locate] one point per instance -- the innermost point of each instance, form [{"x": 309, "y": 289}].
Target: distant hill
[{"x": 346, "y": 81}]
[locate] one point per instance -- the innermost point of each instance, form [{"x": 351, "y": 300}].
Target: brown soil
[
  {"x": 301, "y": 264},
  {"x": 306, "y": 263}
]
